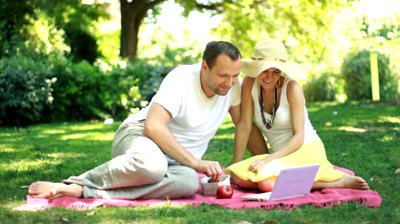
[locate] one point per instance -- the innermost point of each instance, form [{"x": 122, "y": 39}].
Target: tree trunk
[{"x": 132, "y": 14}]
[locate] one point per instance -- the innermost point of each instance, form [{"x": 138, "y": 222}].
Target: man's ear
[{"x": 204, "y": 66}]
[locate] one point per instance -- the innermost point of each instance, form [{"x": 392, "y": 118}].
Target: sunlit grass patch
[
  {"x": 52, "y": 132},
  {"x": 225, "y": 136},
  {"x": 390, "y": 119},
  {"x": 4, "y": 148},
  {"x": 88, "y": 136},
  {"x": 386, "y": 138},
  {"x": 27, "y": 164},
  {"x": 352, "y": 129}
]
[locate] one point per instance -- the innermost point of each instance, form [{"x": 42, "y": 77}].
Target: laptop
[{"x": 291, "y": 182}]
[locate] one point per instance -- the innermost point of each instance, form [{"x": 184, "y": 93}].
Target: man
[{"x": 157, "y": 151}]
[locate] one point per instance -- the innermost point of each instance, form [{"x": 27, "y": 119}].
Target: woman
[{"x": 276, "y": 105}]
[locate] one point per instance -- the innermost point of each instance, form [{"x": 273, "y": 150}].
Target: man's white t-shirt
[{"x": 195, "y": 117}]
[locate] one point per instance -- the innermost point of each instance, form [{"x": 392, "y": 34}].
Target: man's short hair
[{"x": 216, "y": 48}]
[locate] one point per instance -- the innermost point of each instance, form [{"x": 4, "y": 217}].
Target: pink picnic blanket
[{"x": 327, "y": 197}]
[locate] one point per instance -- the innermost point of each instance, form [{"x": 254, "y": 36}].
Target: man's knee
[
  {"x": 136, "y": 171},
  {"x": 186, "y": 182},
  {"x": 153, "y": 171},
  {"x": 144, "y": 158}
]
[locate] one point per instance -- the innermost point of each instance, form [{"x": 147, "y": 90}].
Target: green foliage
[
  {"x": 83, "y": 45},
  {"x": 124, "y": 95},
  {"x": 149, "y": 78},
  {"x": 25, "y": 90},
  {"x": 108, "y": 44},
  {"x": 128, "y": 88},
  {"x": 214, "y": 6},
  {"x": 304, "y": 26},
  {"x": 25, "y": 22},
  {"x": 38, "y": 37},
  {"x": 57, "y": 89},
  {"x": 77, "y": 92},
  {"x": 43, "y": 38},
  {"x": 357, "y": 75},
  {"x": 176, "y": 56},
  {"x": 12, "y": 17},
  {"x": 167, "y": 53},
  {"x": 326, "y": 87},
  {"x": 78, "y": 22},
  {"x": 85, "y": 92},
  {"x": 388, "y": 28}
]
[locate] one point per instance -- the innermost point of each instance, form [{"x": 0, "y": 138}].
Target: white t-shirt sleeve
[
  {"x": 236, "y": 94},
  {"x": 170, "y": 92}
]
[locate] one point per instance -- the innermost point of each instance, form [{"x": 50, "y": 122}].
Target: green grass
[{"x": 359, "y": 136}]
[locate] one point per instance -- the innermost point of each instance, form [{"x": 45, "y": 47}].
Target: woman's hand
[{"x": 258, "y": 165}]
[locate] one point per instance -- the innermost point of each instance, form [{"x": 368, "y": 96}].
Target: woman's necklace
[{"x": 268, "y": 124}]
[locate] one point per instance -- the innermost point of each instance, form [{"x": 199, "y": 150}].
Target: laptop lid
[
  {"x": 294, "y": 182},
  {"x": 291, "y": 182}
]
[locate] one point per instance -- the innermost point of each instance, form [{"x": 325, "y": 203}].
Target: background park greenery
[
  {"x": 75, "y": 61},
  {"x": 69, "y": 61}
]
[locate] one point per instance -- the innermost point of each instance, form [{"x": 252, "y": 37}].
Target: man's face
[{"x": 221, "y": 77}]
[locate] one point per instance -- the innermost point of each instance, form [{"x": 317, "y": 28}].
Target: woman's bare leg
[
  {"x": 256, "y": 143},
  {"x": 243, "y": 183},
  {"x": 347, "y": 181},
  {"x": 267, "y": 184}
]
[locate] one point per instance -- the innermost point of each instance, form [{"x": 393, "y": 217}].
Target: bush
[
  {"x": 326, "y": 87},
  {"x": 356, "y": 73},
  {"x": 123, "y": 95},
  {"x": 25, "y": 90},
  {"x": 81, "y": 92},
  {"x": 57, "y": 89},
  {"x": 83, "y": 45},
  {"x": 152, "y": 76},
  {"x": 86, "y": 92},
  {"x": 139, "y": 83}
]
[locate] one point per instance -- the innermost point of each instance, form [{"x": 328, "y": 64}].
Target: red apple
[{"x": 224, "y": 191}]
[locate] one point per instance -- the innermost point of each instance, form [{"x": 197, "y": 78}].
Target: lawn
[{"x": 363, "y": 137}]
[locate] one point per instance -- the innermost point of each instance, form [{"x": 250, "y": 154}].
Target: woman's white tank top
[{"x": 281, "y": 130}]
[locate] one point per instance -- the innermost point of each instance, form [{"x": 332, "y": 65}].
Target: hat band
[{"x": 274, "y": 59}]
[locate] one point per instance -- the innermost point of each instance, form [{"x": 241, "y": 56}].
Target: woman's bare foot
[
  {"x": 50, "y": 190},
  {"x": 354, "y": 182},
  {"x": 347, "y": 181}
]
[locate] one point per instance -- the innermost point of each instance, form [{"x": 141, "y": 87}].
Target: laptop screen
[
  {"x": 295, "y": 181},
  {"x": 291, "y": 182}
]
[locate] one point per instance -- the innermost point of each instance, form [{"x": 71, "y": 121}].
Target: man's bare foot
[{"x": 50, "y": 190}]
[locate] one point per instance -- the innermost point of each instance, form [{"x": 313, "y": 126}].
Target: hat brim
[{"x": 254, "y": 68}]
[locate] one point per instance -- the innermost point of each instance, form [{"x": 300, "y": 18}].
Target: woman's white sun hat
[{"x": 270, "y": 53}]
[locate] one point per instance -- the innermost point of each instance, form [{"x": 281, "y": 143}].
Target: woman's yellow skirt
[{"x": 311, "y": 153}]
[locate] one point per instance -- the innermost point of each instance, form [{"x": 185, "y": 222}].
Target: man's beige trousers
[{"x": 138, "y": 169}]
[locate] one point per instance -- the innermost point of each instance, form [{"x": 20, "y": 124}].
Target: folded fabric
[{"x": 327, "y": 197}]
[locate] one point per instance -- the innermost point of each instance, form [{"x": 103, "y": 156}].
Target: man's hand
[{"x": 210, "y": 168}]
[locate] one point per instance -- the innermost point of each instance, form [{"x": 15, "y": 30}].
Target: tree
[
  {"x": 133, "y": 13},
  {"x": 305, "y": 24},
  {"x": 73, "y": 17}
]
